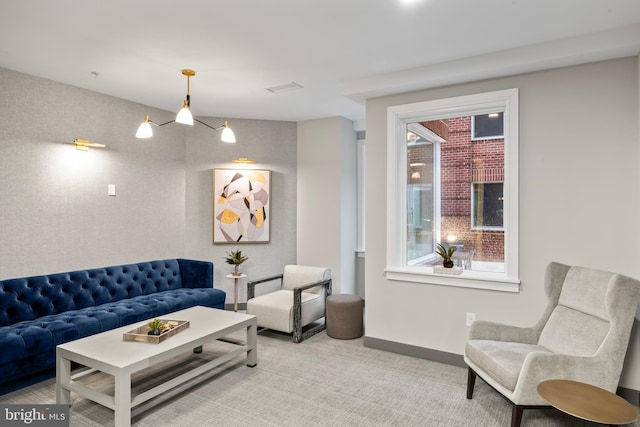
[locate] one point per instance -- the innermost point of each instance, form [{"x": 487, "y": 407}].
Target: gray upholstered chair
[
  {"x": 582, "y": 336},
  {"x": 300, "y": 301}
]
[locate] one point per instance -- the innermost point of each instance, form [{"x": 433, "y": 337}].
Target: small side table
[
  {"x": 587, "y": 402},
  {"x": 235, "y": 288}
]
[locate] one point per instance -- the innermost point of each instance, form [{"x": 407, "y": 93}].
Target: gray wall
[
  {"x": 272, "y": 144},
  {"x": 579, "y": 203},
  {"x": 55, "y": 214},
  {"x": 327, "y": 200}
]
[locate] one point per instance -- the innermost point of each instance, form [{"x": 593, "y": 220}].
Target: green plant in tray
[{"x": 155, "y": 327}]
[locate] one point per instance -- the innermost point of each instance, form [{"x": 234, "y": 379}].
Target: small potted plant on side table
[{"x": 235, "y": 258}]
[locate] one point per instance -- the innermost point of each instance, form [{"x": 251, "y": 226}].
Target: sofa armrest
[
  {"x": 251, "y": 286},
  {"x": 196, "y": 274},
  {"x": 484, "y": 330}
]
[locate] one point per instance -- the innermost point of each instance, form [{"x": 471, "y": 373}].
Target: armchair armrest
[
  {"x": 540, "y": 366},
  {"x": 251, "y": 286},
  {"x": 297, "y": 307},
  {"x": 325, "y": 283},
  {"x": 484, "y": 330}
]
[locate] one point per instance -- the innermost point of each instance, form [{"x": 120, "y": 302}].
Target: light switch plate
[{"x": 111, "y": 190}]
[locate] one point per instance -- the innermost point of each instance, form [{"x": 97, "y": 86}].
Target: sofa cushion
[
  {"x": 31, "y": 337},
  {"x": 501, "y": 360}
]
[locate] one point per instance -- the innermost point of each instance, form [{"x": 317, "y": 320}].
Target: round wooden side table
[{"x": 587, "y": 402}]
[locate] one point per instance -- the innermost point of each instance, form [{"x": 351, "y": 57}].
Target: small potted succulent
[
  {"x": 235, "y": 258},
  {"x": 446, "y": 255},
  {"x": 155, "y": 327}
]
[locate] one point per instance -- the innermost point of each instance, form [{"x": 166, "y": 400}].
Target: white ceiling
[{"x": 340, "y": 51}]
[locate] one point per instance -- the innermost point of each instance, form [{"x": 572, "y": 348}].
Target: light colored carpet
[{"x": 320, "y": 382}]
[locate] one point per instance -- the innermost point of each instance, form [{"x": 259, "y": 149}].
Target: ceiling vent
[{"x": 284, "y": 88}]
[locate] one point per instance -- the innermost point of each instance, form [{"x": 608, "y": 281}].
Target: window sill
[{"x": 468, "y": 279}]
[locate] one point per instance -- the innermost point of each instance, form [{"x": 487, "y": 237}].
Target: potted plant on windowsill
[
  {"x": 446, "y": 255},
  {"x": 235, "y": 258}
]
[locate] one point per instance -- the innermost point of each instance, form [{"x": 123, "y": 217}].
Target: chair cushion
[
  {"x": 500, "y": 360},
  {"x": 275, "y": 310},
  {"x": 573, "y": 332},
  {"x": 298, "y": 275},
  {"x": 585, "y": 289}
]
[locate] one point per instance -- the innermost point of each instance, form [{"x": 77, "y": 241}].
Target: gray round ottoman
[{"x": 344, "y": 316}]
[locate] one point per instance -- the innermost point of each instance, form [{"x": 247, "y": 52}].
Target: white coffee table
[{"x": 108, "y": 352}]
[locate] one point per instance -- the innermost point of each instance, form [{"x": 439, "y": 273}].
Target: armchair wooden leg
[
  {"x": 516, "y": 415},
  {"x": 471, "y": 382}
]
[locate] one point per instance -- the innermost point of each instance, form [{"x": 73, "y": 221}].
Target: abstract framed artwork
[{"x": 241, "y": 205}]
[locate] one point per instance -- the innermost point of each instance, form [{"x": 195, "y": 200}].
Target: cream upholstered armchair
[
  {"x": 582, "y": 336},
  {"x": 301, "y": 300}
]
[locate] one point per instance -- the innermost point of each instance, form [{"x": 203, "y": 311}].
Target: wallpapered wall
[{"x": 56, "y": 216}]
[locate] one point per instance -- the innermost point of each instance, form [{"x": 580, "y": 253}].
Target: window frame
[{"x": 398, "y": 117}]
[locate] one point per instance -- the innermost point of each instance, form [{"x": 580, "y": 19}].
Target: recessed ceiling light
[{"x": 285, "y": 87}]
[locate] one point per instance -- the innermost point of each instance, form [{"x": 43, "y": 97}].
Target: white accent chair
[
  {"x": 300, "y": 301},
  {"x": 582, "y": 336}
]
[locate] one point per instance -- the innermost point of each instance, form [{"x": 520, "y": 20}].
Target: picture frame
[{"x": 241, "y": 205}]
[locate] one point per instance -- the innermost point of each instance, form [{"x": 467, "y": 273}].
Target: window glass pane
[
  {"x": 420, "y": 200},
  {"x": 454, "y": 194},
  {"x": 488, "y": 126},
  {"x": 487, "y": 205}
]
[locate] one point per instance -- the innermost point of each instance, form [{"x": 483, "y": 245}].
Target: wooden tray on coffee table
[{"x": 140, "y": 334}]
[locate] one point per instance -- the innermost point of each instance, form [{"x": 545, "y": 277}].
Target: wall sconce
[
  {"x": 242, "y": 161},
  {"x": 185, "y": 117},
  {"x": 85, "y": 144}
]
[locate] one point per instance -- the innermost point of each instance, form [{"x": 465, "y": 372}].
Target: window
[
  {"x": 452, "y": 179},
  {"x": 487, "y": 126},
  {"x": 488, "y": 212}
]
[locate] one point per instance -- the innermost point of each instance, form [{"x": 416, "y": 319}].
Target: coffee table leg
[
  {"x": 252, "y": 344},
  {"x": 63, "y": 377},
  {"x": 122, "y": 397}
]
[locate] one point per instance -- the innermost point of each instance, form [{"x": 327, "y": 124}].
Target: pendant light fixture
[{"x": 185, "y": 117}]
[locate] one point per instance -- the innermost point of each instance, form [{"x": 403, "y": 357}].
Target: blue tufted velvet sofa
[{"x": 37, "y": 313}]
